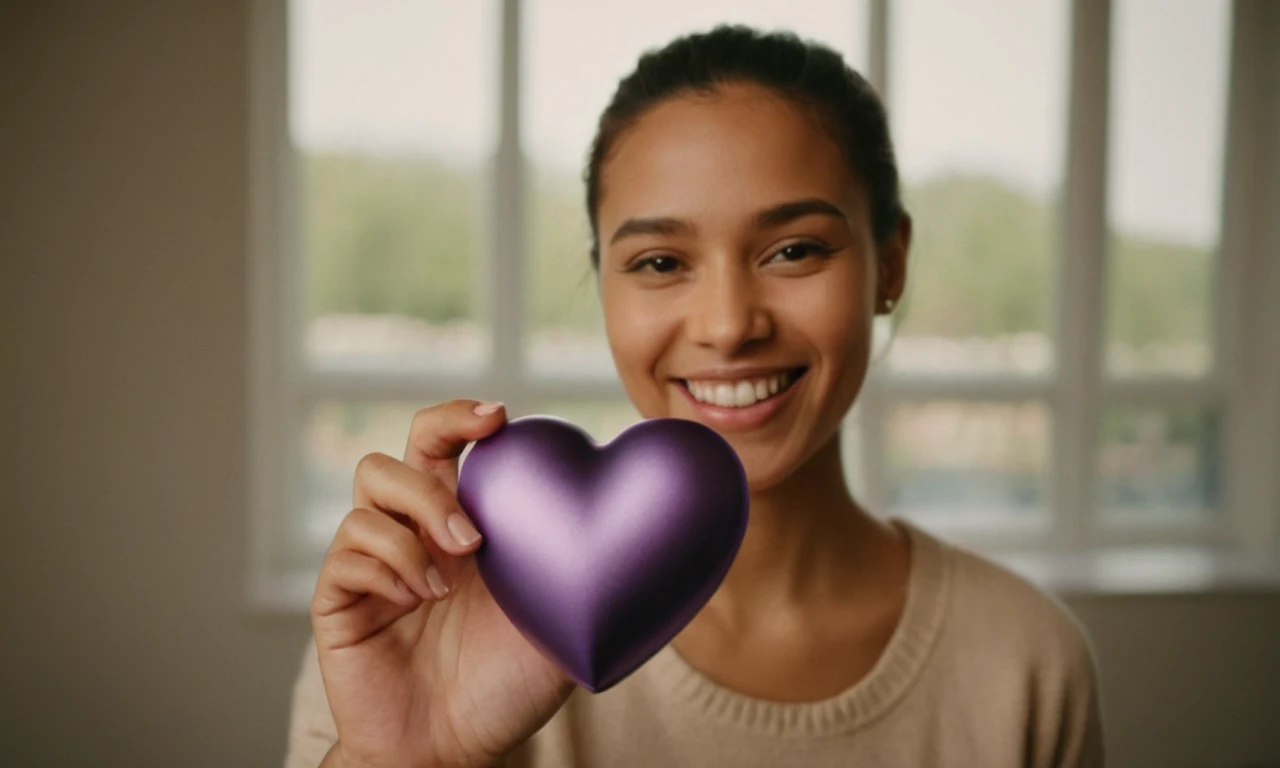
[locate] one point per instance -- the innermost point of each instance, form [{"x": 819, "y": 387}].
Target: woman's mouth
[
  {"x": 742, "y": 403},
  {"x": 741, "y": 393}
]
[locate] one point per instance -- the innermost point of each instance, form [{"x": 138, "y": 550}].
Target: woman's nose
[{"x": 726, "y": 312}]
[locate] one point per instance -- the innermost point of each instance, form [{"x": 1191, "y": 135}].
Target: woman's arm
[
  {"x": 312, "y": 732},
  {"x": 313, "y": 737}
]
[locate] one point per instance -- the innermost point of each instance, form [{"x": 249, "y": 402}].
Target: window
[
  {"x": 1055, "y": 380},
  {"x": 981, "y": 284},
  {"x": 1159, "y": 463}
]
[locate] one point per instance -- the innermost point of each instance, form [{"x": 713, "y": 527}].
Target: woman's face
[{"x": 739, "y": 275}]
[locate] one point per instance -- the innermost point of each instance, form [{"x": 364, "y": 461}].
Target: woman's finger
[
  {"x": 438, "y": 435},
  {"x": 392, "y": 486},
  {"x": 348, "y": 577},
  {"x": 382, "y": 537}
]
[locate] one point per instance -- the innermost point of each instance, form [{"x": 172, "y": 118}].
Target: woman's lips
[{"x": 736, "y": 419}]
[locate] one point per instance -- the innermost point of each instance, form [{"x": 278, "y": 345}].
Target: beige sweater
[{"x": 983, "y": 670}]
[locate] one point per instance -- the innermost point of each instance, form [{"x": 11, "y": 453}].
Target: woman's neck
[{"x": 808, "y": 546}]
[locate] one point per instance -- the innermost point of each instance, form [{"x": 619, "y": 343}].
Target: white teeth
[{"x": 737, "y": 394}]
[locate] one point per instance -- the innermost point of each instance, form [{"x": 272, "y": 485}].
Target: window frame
[{"x": 280, "y": 388}]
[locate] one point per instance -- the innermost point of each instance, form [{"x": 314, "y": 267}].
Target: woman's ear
[{"x": 892, "y": 272}]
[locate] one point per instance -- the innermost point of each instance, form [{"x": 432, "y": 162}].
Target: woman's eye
[
  {"x": 659, "y": 264},
  {"x": 797, "y": 252}
]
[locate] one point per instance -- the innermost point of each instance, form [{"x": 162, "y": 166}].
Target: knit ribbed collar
[{"x": 898, "y": 667}]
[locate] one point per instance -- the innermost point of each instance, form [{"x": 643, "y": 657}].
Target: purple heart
[{"x": 600, "y": 555}]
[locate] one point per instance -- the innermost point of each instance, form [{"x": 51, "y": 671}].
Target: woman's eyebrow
[
  {"x": 768, "y": 218},
  {"x": 785, "y": 212},
  {"x": 657, "y": 226}
]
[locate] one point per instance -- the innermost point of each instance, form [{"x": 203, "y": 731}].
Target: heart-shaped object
[{"x": 601, "y": 554}]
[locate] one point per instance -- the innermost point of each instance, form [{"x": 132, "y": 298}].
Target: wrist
[{"x": 338, "y": 757}]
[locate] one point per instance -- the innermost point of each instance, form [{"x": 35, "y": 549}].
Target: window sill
[{"x": 1182, "y": 570}]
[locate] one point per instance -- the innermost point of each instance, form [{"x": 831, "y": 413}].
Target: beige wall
[
  {"x": 122, "y": 229},
  {"x": 123, "y": 639}
]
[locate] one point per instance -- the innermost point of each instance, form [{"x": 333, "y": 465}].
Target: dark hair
[{"x": 809, "y": 73}]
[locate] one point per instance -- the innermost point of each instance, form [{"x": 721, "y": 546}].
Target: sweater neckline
[{"x": 892, "y": 675}]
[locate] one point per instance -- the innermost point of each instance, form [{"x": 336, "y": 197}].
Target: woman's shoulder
[
  {"x": 1020, "y": 651},
  {"x": 989, "y": 606}
]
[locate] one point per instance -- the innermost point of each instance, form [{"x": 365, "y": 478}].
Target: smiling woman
[{"x": 743, "y": 200}]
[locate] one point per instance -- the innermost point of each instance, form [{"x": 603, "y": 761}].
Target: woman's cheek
[
  {"x": 830, "y": 310},
  {"x": 635, "y": 339},
  {"x": 832, "y": 314}
]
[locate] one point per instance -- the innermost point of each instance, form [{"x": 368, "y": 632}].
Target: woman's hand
[{"x": 416, "y": 676}]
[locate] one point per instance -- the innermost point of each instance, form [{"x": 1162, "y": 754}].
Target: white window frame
[{"x": 1244, "y": 385}]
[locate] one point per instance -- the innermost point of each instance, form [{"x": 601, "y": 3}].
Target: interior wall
[
  {"x": 125, "y": 641},
  {"x": 122, "y": 229}
]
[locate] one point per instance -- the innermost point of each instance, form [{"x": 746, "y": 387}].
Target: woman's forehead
[{"x": 743, "y": 149}]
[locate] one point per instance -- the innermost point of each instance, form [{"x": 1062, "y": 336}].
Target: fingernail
[
  {"x": 463, "y": 531},
  {"x": 436, "y": 582},
  {"x": 484, "y": 409}
]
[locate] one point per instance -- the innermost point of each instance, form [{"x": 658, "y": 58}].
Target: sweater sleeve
[
  {"x": 1080, "y": 743},
  {"x": 311, "y": 728}
]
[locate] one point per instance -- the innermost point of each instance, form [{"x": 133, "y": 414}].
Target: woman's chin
[
  {"x": 771, "y": 463},
  {"x": 764, "y": 473}
]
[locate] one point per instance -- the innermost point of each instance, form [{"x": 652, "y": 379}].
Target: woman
[{"x": 746, "y": 224}]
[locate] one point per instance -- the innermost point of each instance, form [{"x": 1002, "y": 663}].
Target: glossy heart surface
[{"x": 601, "y": 554}]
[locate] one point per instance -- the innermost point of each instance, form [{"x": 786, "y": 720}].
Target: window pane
[
  {"x": 393, "y": 112},
  {"x": 965, "y": 462},
  {"x": 602, "y": 419},
  {"x": 1158, "y": 464},
  {"x": 978, "y": 106},
  {"x": 1167, "y": 119},
  {"x": 336, "y": 436},
  {"x": 575, "y": 53}
]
